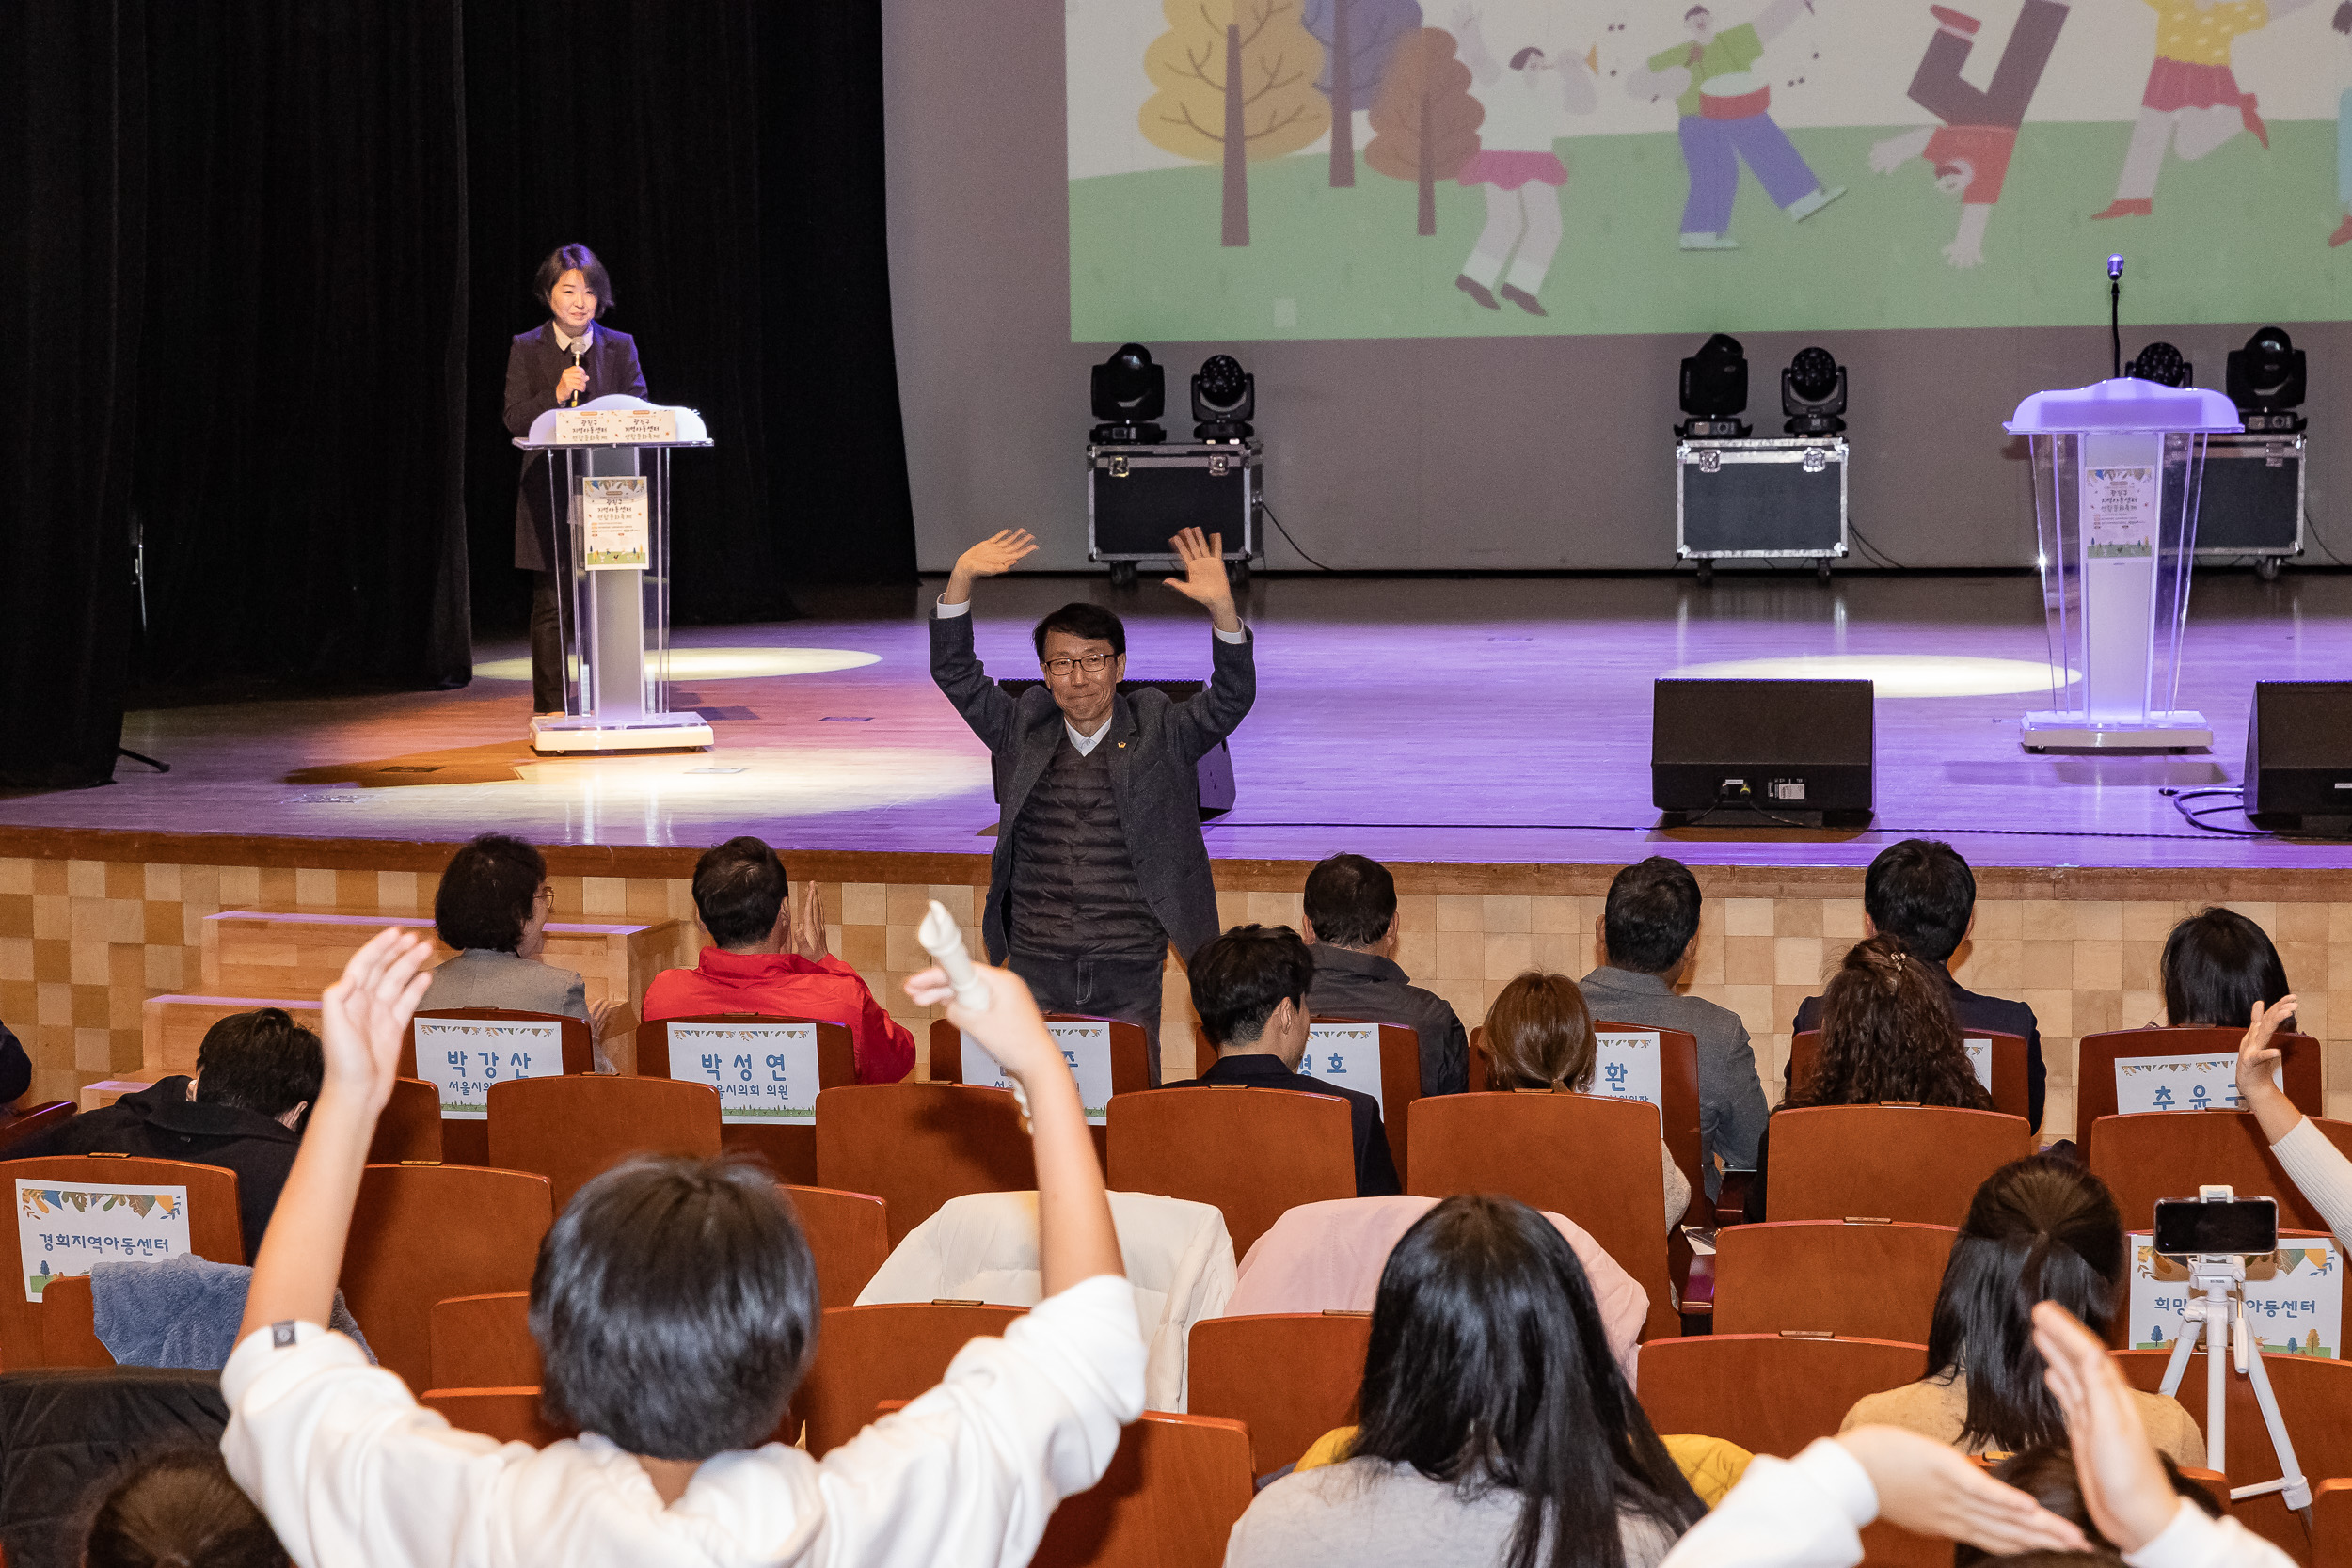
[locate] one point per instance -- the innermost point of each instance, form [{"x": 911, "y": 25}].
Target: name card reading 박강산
[
  {"x": 618, "y": 427},
  {"x": 463, "y": 1056},
  {"x": 765, "y": 1073}
]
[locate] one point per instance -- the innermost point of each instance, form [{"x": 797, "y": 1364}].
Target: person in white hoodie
[{"x": 674, "y": 1305}]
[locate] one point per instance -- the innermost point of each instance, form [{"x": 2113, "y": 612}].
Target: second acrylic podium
[{"x": 608, "y": 478}]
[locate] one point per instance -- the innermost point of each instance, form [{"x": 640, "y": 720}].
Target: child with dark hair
[
  {"x": 676, "y": 1308},
  {"x": 1495, "y": 1425},
  {"x": 178, "y": 1508},
  {"x": 2040, "y": 1229},
  {"x": 2047, "y": 1473}
]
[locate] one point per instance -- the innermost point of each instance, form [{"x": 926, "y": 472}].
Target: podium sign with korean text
[
  {"x": 2202, "y": 1083},
  {"x": 614, "y": 427},
  {"x": 62, "y": 1227},
  {"x": 463, "y": 1056},
  {"x": 1086, "y": 1045},
  {"x": 764, "y": 1073},
  {"x": 1346, "y": 1054},
  {"x": 2293, "y": 1296},
  {"x": 615, "y": 533}
]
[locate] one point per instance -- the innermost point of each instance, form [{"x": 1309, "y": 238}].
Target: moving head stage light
[
  {"x": 1130, "y": 391},
  {"x": 2267, "y": 380},
  {"x": 1813, "y": 393},
  {"x": 2164, "y": 365},
  {"x": 1715, "y": 390},
  {"x": 1224, "y": 400}
]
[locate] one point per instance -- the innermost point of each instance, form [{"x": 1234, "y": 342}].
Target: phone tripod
[{"x": 2218, "y": 1303}]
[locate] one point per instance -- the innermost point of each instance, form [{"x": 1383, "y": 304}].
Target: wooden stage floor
[{"x": 1495, "y": 720}]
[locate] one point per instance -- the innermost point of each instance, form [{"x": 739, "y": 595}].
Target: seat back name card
[{"x": 620, "y": 427}]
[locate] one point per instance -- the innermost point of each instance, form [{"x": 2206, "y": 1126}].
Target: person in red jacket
[{"x": 769, "y": 957}]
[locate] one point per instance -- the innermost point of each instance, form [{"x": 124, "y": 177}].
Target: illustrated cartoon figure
[
  {"x": 1725, "y": 116},
  {"x": 2342, "y": 22},
  {"x": 2192, "y": 103},
  {"x": 1527, "y": 108},
  {"x": 1970, "y": 150}
]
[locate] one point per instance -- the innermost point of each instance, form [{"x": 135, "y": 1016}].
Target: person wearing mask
[
  {"x": 1538, "y": 1039},
  {"x": 566, "y": 361},
  {"x": 1249, "y": 986},
  {"x": 1099, "y": 864},
  {"x": 1888, "y": 1034},
  {"x": 1649, "y": 931},
  {"x": 1921, "y": 891},
  {"x": 1494, "y": 1426},
  {"x": 2040, "y": 1229},
  {"x": 1352, "y": 927}
]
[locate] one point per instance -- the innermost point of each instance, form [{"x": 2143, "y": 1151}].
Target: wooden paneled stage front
[{"x": 1487, "y": 738}]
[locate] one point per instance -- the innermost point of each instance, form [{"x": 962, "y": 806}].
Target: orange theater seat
[
  {"x": 1250, "y": 1152},
  {"x": 1769, "y": 1393},
  {"x": 1922, "y": 1163},
  {"x": 866, "y": 1354},
  {"x": 850, "y": 1235},
  {"x": 1289, "y": 1377},
  {"x": 1866, "y": 1279},
  {"x": 915, "y": 1146},
  {"x": 571, "y": 1128},
  {"x": 422, "y": 1234}
]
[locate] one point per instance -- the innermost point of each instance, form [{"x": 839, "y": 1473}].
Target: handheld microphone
[{"x": 576, "y": 350}]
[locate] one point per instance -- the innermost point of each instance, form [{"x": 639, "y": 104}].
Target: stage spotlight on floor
[
  {"x": 716, "y": 664},
  {"x": 1813, "y": 393},
  {"x": 1893, "y": 674},
  {"x": 1130, "y": 391},
  {"x": 1224, "y": 400},
  {"x": 1715, "y": 390},
  {"x": 2164, "y": 365},
  {"x": 2265, "y": 379}
]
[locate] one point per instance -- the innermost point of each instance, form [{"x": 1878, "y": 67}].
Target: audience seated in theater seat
[
  {"x": 2039, "y": 1228},
  {"x": 1649, "y": 929},
  {"x": 1491, "y": 1414},
  {"x": 493, "y": 906},
  {"x": 675, "y": 1305},
  {"x": 1249, "y": 986},
  {"x": 2218, "y": 967},
  {"x": 1888, "y": 1035},
  {"x": 256, "y": 1074},
  {"x": 1352, "y": 927},
  {"x": 768, "y": 956},
  {"x": 1921, "y": 891},
  {"x": 2047, "y": 1473},
  {"x": 177, "y": 1507},
  {"x": 1329, "y": 1257},
  {"x": 1538, "y": 1039}
]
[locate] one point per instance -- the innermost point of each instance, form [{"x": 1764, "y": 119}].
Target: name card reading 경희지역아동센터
[
  {"x": 62, "y": 1227},
  {"x": 2293, "y": 1296},
  {"x": 463, "y": 1056},
  {"x": 1086, "y": 1045},
  {"x": 765, "y": 1072}
]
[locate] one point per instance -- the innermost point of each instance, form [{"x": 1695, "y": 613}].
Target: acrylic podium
[
  {"x": 2116, "y": 471},
  {"x": 609, "y": 490}
]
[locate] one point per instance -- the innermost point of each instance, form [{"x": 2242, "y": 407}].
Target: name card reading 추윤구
[
  {"x": 2204, "y": 1083},
  {"x": 765, "y": 1073},
  {"x": 1086, "y": 1045},
  {"x": 62, "y": 1227},
  {"x": 463, "y": 1056},
  {"x": 619, "y": 427},
  {"x": 1346, "y": 1054}
]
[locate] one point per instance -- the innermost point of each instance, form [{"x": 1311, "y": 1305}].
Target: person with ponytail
[
  {"x": 1495, "y": 1425},
  {"x": 2040, "y": 1229}
]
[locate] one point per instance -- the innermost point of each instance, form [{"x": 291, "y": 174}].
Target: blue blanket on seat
[{"x": 182, "y": 1311}]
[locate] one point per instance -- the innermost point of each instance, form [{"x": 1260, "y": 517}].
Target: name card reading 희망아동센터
[
  {"x": 765, "y": 1072},
  {"x": 2203, "y": 1082},
  {"x": 2293, "y": 1296},
  {"x": 62, "y": 1227},
  {"x": 463, "y": 1056},
  {"x": 619, "y": 427},
  {"x": 1086, "y": 1045}
]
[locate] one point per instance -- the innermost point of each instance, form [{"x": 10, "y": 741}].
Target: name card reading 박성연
[{"x": 765, "y": 1073}]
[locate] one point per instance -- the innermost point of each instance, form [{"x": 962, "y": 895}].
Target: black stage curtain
[{"x": 72, "y": 214}]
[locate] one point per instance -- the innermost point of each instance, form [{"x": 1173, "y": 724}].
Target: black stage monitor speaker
[
  {"x": 1214, "y": 771},
  {"x": 1795, "y": 750},
  {"x": 2298, "y": 753}
]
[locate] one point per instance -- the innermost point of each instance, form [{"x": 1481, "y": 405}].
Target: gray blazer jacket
[
  {"x": 1157, "y": 744},
  {"x": 484, "y": 978}
]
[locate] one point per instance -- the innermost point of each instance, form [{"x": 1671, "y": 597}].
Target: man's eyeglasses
[
  {"x": 545, "y": 895},
  {"x": 1093, "y": 664}
]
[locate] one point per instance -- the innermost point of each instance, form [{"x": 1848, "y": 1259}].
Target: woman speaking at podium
[{"x": 563, "y": 363}]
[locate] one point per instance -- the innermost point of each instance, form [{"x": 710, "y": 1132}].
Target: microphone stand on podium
[{"x": 609, "y": 490}]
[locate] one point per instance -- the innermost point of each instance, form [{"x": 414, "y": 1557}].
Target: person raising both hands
[
  {"x": 1099, "y": 864},
  {"x": 675, "y": 1306}
]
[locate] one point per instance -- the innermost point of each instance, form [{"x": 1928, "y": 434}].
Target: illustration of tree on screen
[
  {"x": 1236, "y": 85},
  {"x": 1357, "y": 38},
  {"x": 1424, "y": 122}
]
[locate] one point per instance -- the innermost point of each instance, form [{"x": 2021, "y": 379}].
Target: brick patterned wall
[{"x": 84, "y": 941}]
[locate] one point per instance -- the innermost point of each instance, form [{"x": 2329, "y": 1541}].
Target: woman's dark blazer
[{"x": 533, "y": 365}]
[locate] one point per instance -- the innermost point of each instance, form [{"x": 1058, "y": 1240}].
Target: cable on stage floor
[
  {"x": 2181, "y": 798},
  {"x": 1286, "y": 535}
]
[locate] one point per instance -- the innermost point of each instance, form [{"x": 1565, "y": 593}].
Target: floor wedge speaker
[
  {"x": 2298, "y": 755},
  {"x": 1758, "y": 751}
]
